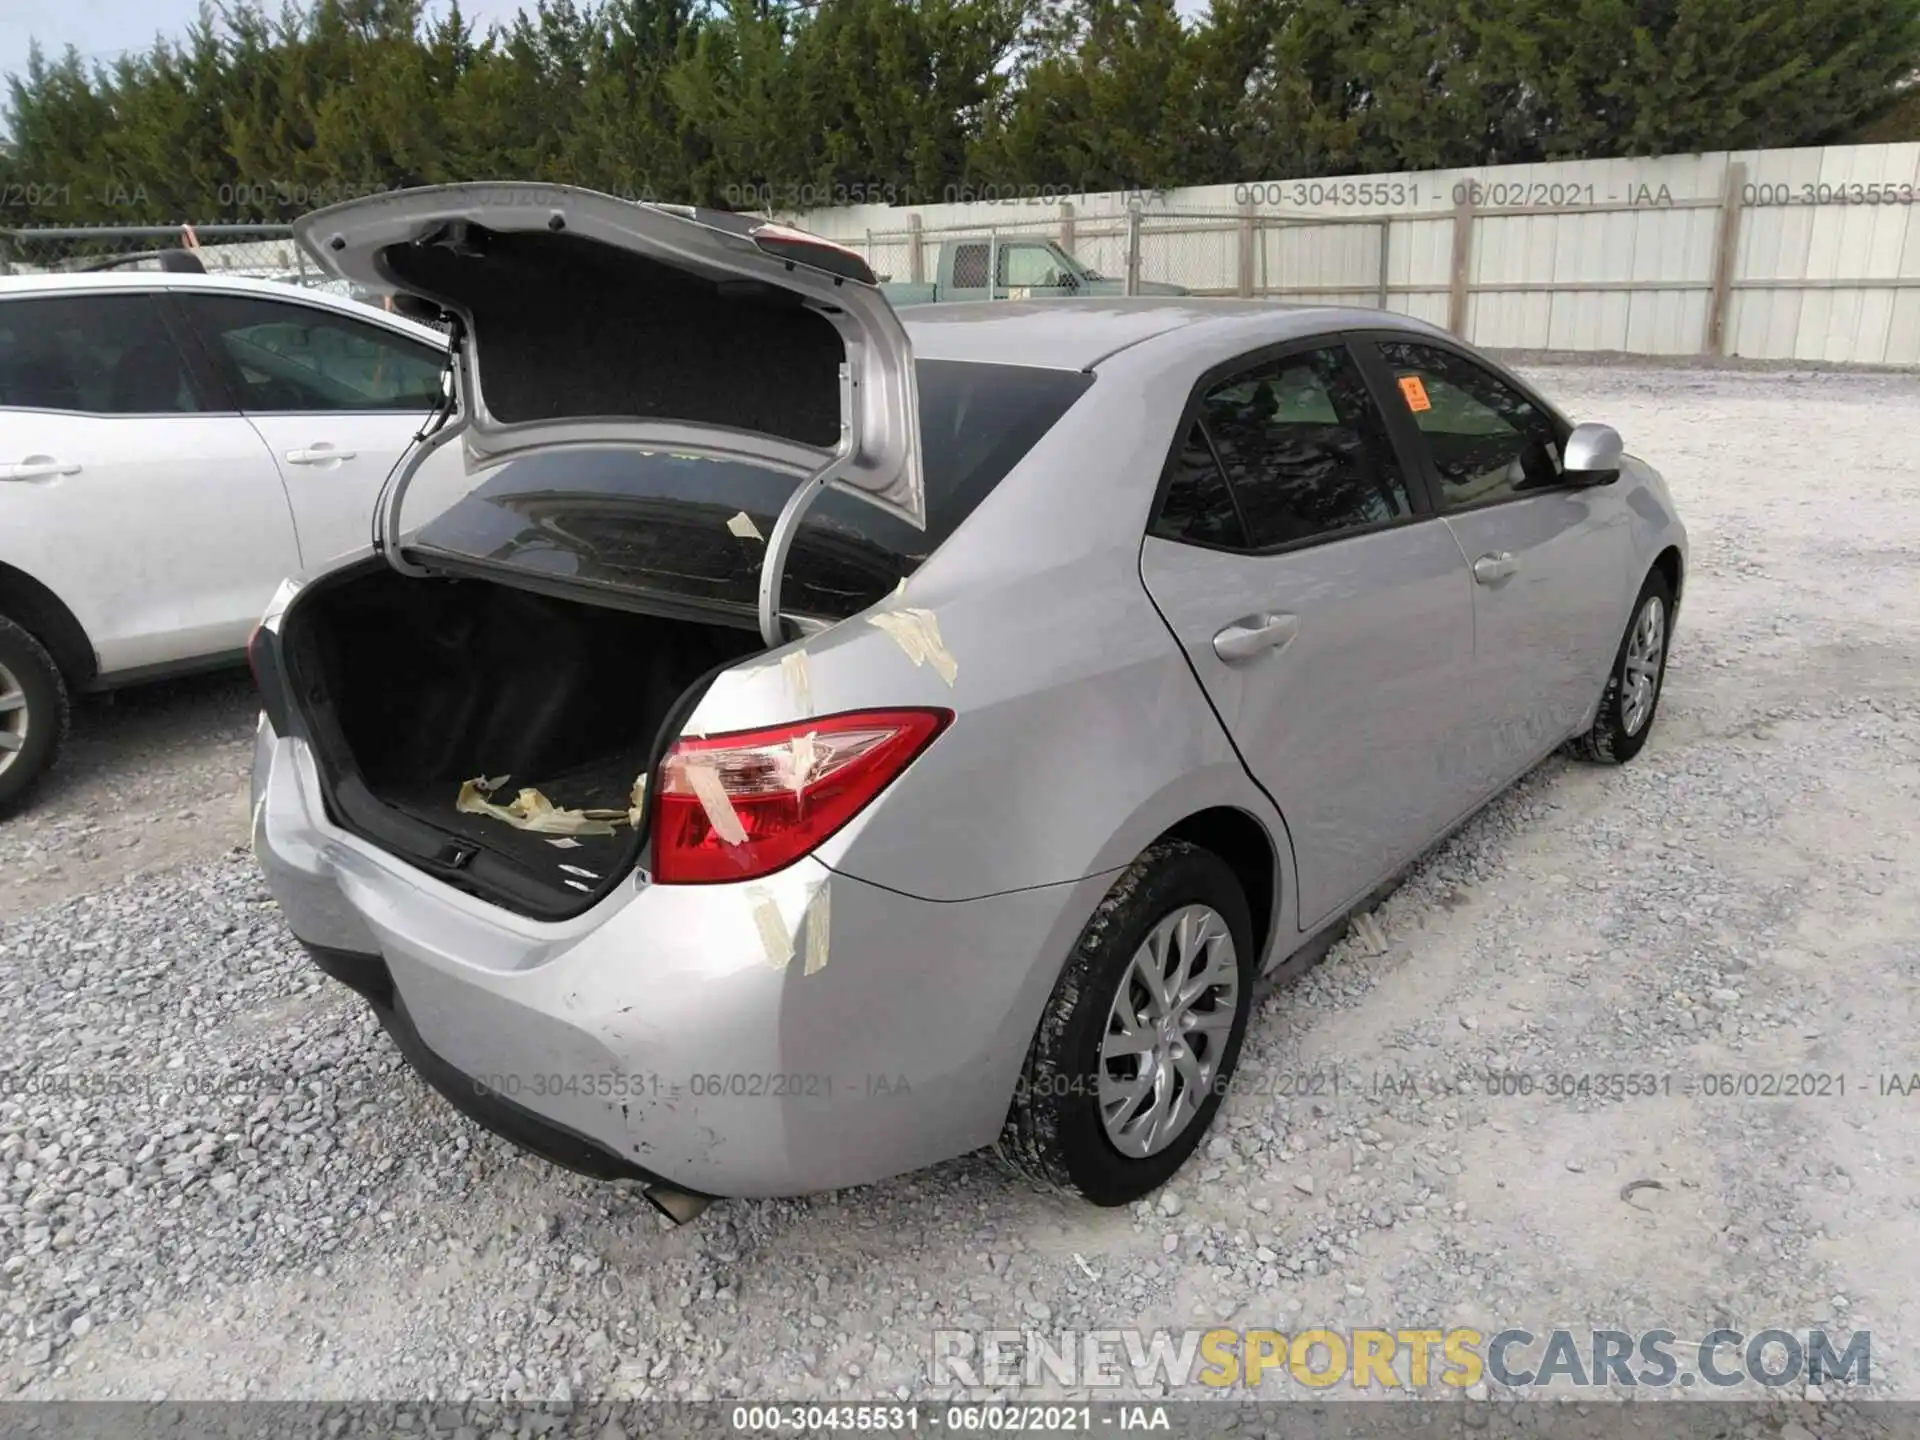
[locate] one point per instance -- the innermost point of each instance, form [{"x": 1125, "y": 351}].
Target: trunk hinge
[
  {"x": 780, "y": 543},
  {"x": 446, "y": 424}
]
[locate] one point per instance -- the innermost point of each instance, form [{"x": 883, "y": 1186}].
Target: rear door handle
[
  {"x": 1492, "y": 569},
  {"x": 317, "y": 455},
  {"x": 37, "y": 467},
  {"x": 1253, "y": 635}
]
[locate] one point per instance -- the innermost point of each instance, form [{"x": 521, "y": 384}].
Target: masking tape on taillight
[
  {"x": 774, "y": 939},
  {"x": 917, "y": 633},
  {"x": 800, "y": 761},
  {"x": 818, "y": 921},
  {"x": 712, "y": 795}
]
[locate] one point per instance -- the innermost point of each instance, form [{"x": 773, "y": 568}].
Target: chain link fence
[
  {"x": 1143, "y": 252},
  {"x": 261, "y": 252}
]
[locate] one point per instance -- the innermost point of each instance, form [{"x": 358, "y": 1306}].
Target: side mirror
[{"x": 1593, "y": 454}]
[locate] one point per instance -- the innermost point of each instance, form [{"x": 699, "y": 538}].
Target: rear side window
[
  {"x": 291, "y": 358},
  {"x": 659, "y": 524},
  {"x": 96, "y": 354},
  {"x": 1304, "y": 449},
  {"x": 1286, "y": 451},
  {"x": 970, "y": 266},
  {"x": 1199, "y": 507}
]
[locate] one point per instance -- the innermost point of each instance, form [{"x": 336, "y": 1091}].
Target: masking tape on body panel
[
  {"x": 705, "y": 781},
  {"x": 818, "y": 922},
  {"x": 799, "y": 679},
  {"x": 743, "y": 526},
  {"x": 917, "y": 633},
  {"x": 775, "y": 942}
]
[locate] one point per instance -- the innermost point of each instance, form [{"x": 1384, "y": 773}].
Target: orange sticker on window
[{"x": 1415, "y": 392}]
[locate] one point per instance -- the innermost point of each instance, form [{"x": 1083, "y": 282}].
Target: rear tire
[
  {"x": 33, "y": 713},
  {"x": 1178, "y": 909},
  {"x": 1632, "y": 697}
]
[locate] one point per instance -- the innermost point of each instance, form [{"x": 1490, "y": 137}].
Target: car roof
[
  {"x": 65, "y": 283},
  {"x": 1079, "y": 333}
]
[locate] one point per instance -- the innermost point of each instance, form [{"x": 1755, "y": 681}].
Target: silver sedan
[{"x": 796, "y": 743}]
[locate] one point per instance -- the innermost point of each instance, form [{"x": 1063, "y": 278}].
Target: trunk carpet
[{"x": 602, "y": 784}]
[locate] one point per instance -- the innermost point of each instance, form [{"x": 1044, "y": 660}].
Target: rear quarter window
[{"x": 645, "y": 522}]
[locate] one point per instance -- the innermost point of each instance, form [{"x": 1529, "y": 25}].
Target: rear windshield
[{"x": 650, "y": 523}]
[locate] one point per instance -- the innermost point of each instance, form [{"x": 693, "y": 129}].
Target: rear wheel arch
[
  {"x": 1249, "y": 851},
  {"x": 37, "y": 610}
]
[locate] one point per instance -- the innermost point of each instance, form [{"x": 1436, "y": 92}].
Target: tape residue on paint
[
  {"x": 743, "y": 526},
  {"x": 775, "y": 942},
  {"x": 819, "y": 921},
  {"x": 917, "y": 633},
  {"x": 799, "y": 678},
  {"x": 705, "y": 781}
]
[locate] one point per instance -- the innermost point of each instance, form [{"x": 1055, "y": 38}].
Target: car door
[
  {"x": 128, "y": 486},
  {"x": 337, "y": 400},
  {"x": 1548, "y": 555},
  {"x": 1326, "y": 611}
]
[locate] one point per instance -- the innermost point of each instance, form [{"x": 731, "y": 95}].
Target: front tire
[
  {"x": 1632, "y": 696},
  {"x": 1142, "y": 1032},
  {"x": 33, "y": 713}
]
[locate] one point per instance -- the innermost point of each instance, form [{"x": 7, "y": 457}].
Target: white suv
[{"x": 173, "y": 446}]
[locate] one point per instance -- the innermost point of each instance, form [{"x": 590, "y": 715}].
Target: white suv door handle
[
  {"x": 1254, "y": 635},
  {"x": 1491, "y": 569},
  {"x": 317, "y": 455},
  {"x": 37, "y": 467}
]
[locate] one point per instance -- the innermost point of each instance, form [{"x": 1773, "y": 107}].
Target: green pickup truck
[{"x": 1023, "y": 269}]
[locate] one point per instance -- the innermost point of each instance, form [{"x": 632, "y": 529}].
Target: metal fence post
[
  {"x": 993, "y": 265},
  {"x": 1247, "y": 237},
  {"x": 1462, "y": 263},
  {"x": 1726, "y": 258},
  {"x": 1066, "y": 226},
  {"x": 1386, "y": 237},
  {"x": 1133, "y": 250},
  {"x": 916, "y": 263}
]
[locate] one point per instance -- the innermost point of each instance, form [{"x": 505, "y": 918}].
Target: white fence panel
[{"x": 1586, "y": 255}]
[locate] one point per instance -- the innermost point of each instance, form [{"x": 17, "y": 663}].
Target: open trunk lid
[{"x": 581, "y": 320}]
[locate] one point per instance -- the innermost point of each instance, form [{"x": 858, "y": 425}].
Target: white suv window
[
  {"x": 286, "y": 357},
  {"x": 95, "y": 354}
]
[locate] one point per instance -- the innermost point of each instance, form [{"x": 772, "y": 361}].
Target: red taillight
[{"x": 736, "y": 807}]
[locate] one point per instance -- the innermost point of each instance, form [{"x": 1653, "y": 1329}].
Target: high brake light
[{"x": 736, "y": 807}]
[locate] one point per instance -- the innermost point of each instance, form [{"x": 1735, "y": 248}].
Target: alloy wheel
[
  {"x": 1167, "y": 1031},
  {"x": 1641, "y": 681},
  {"x": 14, "y": 718}
]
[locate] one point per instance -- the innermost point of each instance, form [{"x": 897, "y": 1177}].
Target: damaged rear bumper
[
  {"x": 666, "y": 1034},
  {"x": 368, "y": 976}
]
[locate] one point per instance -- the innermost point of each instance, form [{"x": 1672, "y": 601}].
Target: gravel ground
[{"x": 259, "y": 1200}]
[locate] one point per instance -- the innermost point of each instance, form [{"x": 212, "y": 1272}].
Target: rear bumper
[
  {"x": 654, "y": 1037},
  {"x": 368, "y": 975}
]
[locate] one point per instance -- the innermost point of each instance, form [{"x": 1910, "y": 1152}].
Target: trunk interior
[{"x": 411, "y": 687}]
